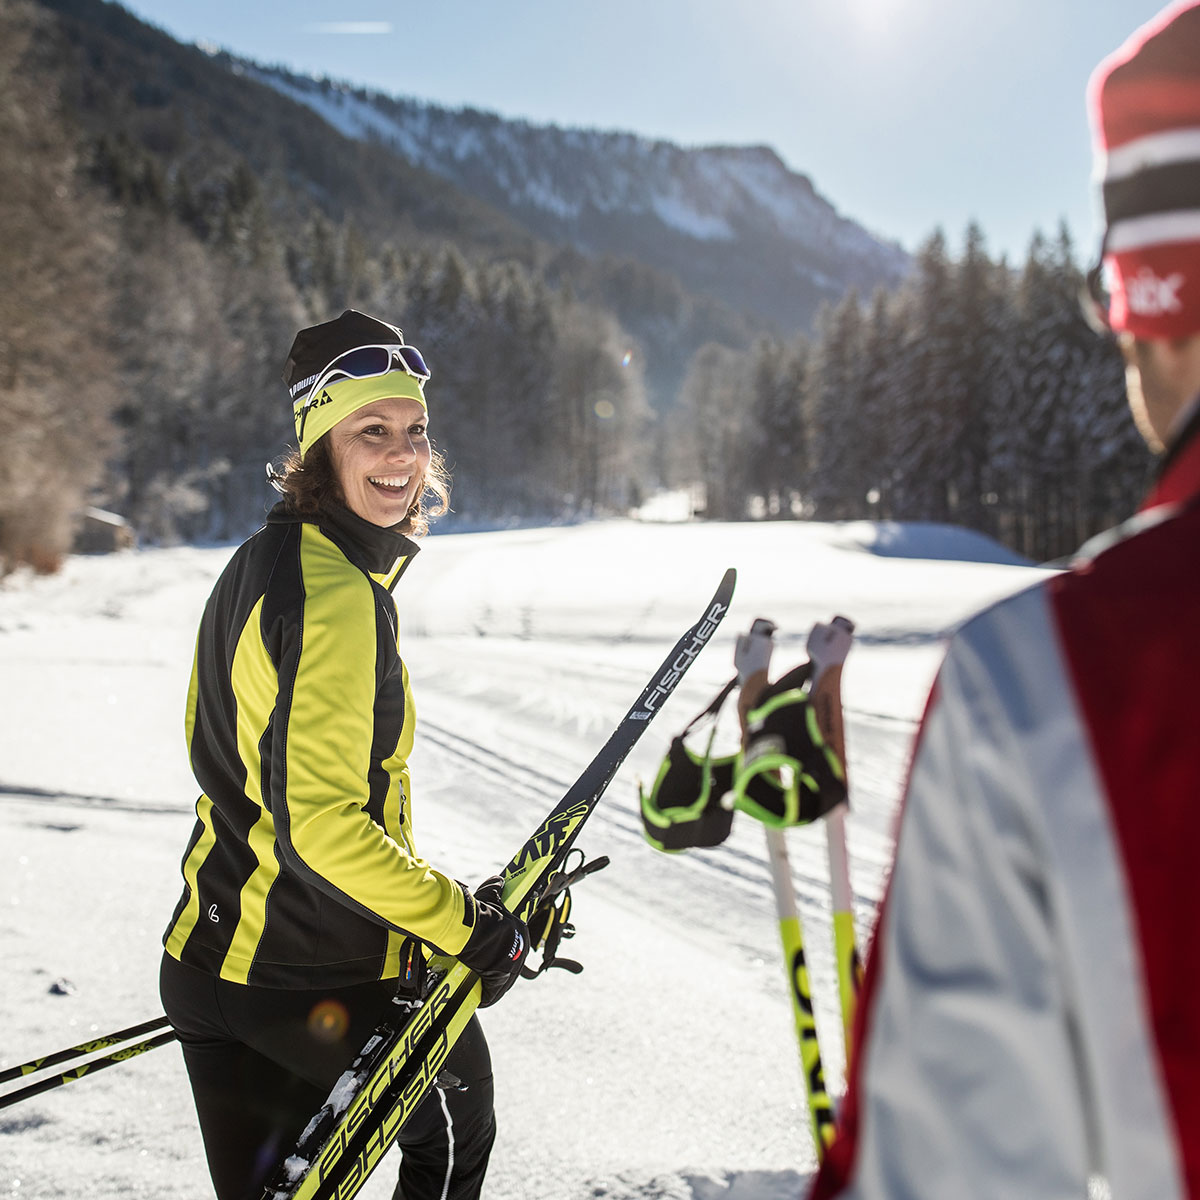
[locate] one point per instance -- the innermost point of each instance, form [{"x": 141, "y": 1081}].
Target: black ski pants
[{"x": 262, "y": 1061}]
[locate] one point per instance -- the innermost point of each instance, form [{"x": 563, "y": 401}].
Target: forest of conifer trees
[
  {"x": 975, "y": 394},
  {"x": 154, "y": 287}
]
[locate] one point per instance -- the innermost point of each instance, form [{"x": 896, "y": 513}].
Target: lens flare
[{"x": 328, "y": 1021}]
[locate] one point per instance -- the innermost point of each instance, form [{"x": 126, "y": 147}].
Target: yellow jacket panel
[{"x": 301, "y": 870}]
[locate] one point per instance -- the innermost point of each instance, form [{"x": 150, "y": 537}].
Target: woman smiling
[{"x": 305, "y": 905}]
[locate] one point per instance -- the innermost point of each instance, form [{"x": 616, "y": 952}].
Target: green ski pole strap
[
  {"x": 683, "y": 807},
  {"x": 788, "y": 774}
]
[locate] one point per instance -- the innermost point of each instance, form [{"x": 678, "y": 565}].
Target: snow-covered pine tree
[
  {"x": 925, "y": 369},
  {"x": 1054, "y": 346},
  {"x": 714, "y": 411},
  {"x": 832, "y": 409},
  {"x": 968, "y": 406},
  {"x": 600, "y": 411},
  {"x": 879, "y": 406},
  {"x": 775, "y": 433}
]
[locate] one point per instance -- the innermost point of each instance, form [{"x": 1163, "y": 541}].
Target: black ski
[{"x": 379, "y": 1091}]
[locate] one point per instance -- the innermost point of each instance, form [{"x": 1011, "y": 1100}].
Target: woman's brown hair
[{"x": 308, "y": 485}]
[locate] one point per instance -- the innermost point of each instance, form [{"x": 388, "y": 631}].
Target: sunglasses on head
[{"x": 367, "y": 362}]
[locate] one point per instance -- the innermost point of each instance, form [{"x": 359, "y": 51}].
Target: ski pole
[
  {"x": 97, "y": 1064},
  {"x": 828, "y": 646},
  {"x": 845, "y": 944},
  {"x": 752, "y": 659},
  {"x": 820, "y": 1108},
  {"x": 89, "y": 1047}
]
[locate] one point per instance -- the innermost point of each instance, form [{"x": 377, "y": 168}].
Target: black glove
[{"x": 498, "y": 944}]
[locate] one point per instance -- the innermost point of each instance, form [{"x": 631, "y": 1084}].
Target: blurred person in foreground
[
  {"x": 1031, "y": 1012},
  {"x": 305, "y": 906}
]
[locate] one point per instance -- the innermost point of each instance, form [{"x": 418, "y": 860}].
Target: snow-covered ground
[{"x": 668, "y": 1068}]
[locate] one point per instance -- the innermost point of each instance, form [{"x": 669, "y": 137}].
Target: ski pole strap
[
  {"x": 550, "y": 922},
  {"x": 788, "y": 773},
  {"x": 559, "y": 881},
  {"x": 683, "y": 807}
]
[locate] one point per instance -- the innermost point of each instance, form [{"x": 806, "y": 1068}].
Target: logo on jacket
[{"x": 212, "y": 914}]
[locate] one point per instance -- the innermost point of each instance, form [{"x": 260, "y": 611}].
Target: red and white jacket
[{"x": 1031, "y": 1012}]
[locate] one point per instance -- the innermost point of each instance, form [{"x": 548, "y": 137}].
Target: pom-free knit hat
[
  {"x": 1144, "y": 102},
  {"x": 315, "y": 348}
]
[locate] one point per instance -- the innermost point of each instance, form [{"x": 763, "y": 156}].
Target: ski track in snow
[{"x": 668, "y": 1068}]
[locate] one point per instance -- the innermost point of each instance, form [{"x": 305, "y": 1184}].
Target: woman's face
[{"x": 380, "y": 455}]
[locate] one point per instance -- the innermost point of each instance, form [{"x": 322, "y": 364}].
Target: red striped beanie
[{"x": 1144, "y": 103}]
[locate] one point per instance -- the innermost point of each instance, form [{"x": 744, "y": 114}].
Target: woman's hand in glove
[{"x": 498, "y": 944}]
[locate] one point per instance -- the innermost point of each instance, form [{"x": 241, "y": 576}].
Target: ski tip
[{"x": 724, "y": 593}]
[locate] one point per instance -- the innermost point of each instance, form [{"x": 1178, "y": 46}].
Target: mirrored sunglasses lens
[
  {"x": 413, "y": 361},
  {"x": 363, "y": 362}
]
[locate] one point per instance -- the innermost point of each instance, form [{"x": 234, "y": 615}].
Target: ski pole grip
[
  {"x": 752, "y": 652},
  {"x": 829, "y": 644}
]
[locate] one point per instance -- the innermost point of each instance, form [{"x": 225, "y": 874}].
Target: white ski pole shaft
[{"x": 828, "y": 646}]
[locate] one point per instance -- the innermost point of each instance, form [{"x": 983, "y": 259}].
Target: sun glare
[{"x": 875, "y": 17}]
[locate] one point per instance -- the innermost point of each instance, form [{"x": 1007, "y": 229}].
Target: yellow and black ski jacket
[{"x": 301, "y": 870}]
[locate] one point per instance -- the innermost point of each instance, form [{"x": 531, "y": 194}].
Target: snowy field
[{"x": 668, "y": 1069}]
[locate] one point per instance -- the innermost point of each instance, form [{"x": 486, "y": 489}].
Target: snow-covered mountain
[{"x": 734, "y": 222}]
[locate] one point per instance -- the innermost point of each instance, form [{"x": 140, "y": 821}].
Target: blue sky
[{"x": 906, "y": 114}]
